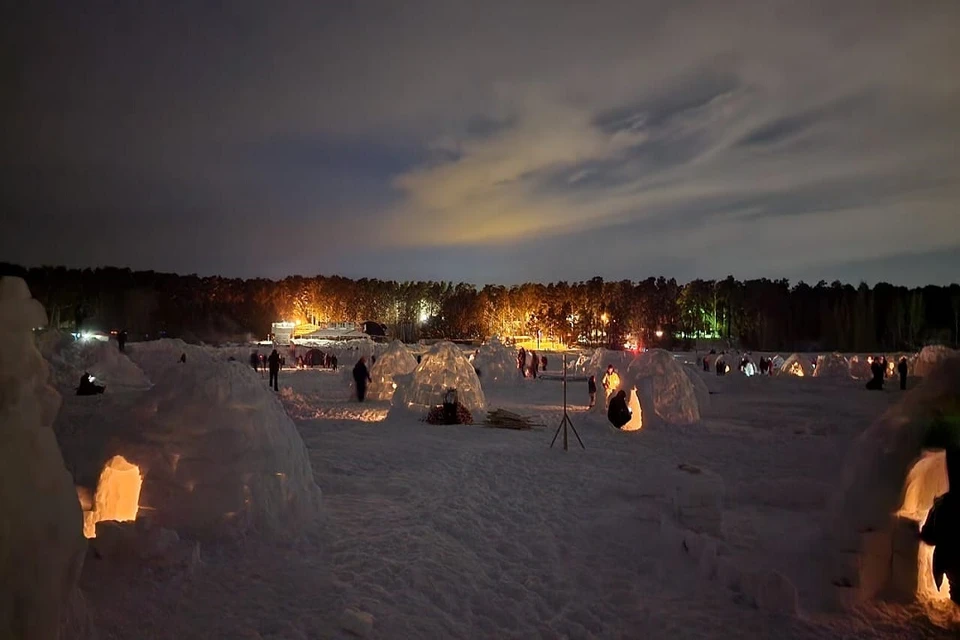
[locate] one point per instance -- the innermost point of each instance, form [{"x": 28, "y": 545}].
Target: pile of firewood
[
  {"x": 503, "y": 419},
  {"x": 440, "y": 415}
]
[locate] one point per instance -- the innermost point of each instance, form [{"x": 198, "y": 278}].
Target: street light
[{"x": 658, "y": 333}]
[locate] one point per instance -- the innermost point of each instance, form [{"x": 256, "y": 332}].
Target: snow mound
[
  {"x": 396, "y": 360},
  {"x": 442, "y": 367},
  {"x": 218, "y": 454},
  {"x": 497, "y": 364},
  {"x": 673, "y": 394},
  {"x": 69, "y": 359},
  {"x": 930, "y": 357},
  {"x": 699, "y": 388},
  {"x": 831, "y": 365},
  {"x": 796, "y": 365},
  {"x": 41, "y": 539}
]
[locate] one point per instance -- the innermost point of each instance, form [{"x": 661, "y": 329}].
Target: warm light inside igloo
[
  {"x": 927, "y": 480},
  {"x": 117, "y": 496},
  {"x": 636, "y": 413},
  {"x": 795, "y": 369}
]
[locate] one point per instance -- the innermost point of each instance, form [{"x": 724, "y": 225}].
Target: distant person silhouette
[
  {"x": 361, "y": 376},
  {"x": 274, "y": 362}
]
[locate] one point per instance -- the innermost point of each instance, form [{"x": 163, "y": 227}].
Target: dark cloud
[{"x": 484, "y": 141}]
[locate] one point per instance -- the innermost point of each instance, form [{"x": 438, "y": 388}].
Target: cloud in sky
[{"x": 487, "y": 141}]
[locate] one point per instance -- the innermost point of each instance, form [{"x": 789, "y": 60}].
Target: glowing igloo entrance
[
  {"x": 117, "y": 496},
  {"x": 927, "y": 480}
]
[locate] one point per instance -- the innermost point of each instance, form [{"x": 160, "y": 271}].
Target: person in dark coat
[
  {"x": 618, "y": 413},
  {"x": 534, "y": 364},
  {"x": 942, "y": 529},
  {"x": 592, "y": 388},
  {"x": 255, "y": 361},
  {"x": 877, "y": 369},
  {"x": 902, "y": 370},
  {"x": 87, "y": 387},
  {"x": 361, "y": 376},
  {"x": 706, "y": 363},
  {"x": 274, "y": 362},
  {"x": 183, "y": 358},
  {"x": 122, "y": 339},
  {"x": 334, "y": 362},
  {"x": 522, "y": 361},
  {"x": 543, "y": 362}
]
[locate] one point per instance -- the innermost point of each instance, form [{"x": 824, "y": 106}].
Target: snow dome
[
  {"x": 797, "y": 365},
  {"x": 832, "y": 365},
  {"x": 657, "y": 373},
  {"x": 208, "y": 451},
  {"x": 497, "y": 364},
  {"x": 395, "y": 361},
  {"x": 930, "y": 357},
  {"x": 441, "y": 368},
  {"x": 894, "y": 472},
  {"x": 41, "y": 544}
]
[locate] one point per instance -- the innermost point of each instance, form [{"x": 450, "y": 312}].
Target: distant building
[{"x": 282, "y": 332}]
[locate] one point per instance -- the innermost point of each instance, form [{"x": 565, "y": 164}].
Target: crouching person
[
  {"x": 618, "y": 413},
  {"x": 942, "y": 530}
]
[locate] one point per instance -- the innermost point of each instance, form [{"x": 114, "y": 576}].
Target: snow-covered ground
[{"x": 473, "y": 532}]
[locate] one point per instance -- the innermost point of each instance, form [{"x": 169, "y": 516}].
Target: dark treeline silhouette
[{"x": 756, "y": 314}]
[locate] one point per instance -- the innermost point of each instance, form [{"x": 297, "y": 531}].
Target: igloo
[
  {"x": 441, "y": 368},
  {"x": 664, "y": 387},
  {"x": 395, "y": 361},
  {"x": 894, "y": 472},
  {"x": 213, "y": 450},
  {"x": 497, "y": 364},
  {"x": 41, "y": 540},
  {"x": 832, "y": 365},
  {"x": 930, "y": 357},
  {"x": 700, "y": 389},
  {"x": 69, "y": 358},
  {"x": 797, "y": 365}
]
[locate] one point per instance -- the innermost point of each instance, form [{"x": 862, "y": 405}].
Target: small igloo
[
  {"x": 797, "y": 365},
  {"x": 496, "y": 364},
  {"x": 213, "y": 449},
  {"x": 441, "y": 368},
  {"x": 930, "y": 357},
  {"x": 831, "y": 365},
  {"x": 41, "y": 540},
  {"x": 663, "y": 387},
  {"x": 893, "y": 474},
  {"x": 395, "y": 361}
]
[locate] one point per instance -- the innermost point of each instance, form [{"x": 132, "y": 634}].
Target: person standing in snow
[
  {"x": 522, "y": 361},
  {"x": 534, "y": 364},
  {"x": 122, "y": 339},
  {"x": 255, "y": 361},
  {"x": 942, "y": 530},
  {"x": 592, "y": 389},
  {"x": 902, "y": 370},
  {"x": 543, "y": 362},
  {"x": 274, "y": 361},
  {"x": 610, "y": 382},
  {"x": 361, "y": 376}
]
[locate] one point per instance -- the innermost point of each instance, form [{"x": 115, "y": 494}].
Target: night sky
[{"x": 485, "y": 141}]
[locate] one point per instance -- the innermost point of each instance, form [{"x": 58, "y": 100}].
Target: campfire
[{"x": 116, "y": 498}]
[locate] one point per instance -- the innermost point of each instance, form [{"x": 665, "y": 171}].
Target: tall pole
[{"x": 564, "y": 400}]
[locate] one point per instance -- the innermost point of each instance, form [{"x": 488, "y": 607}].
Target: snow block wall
[
  {"x": 930, "y": 357},
  {"x": 888, "y": 485},
  {"x": 497, "y": 364},
  {"x": 832, "y": 365},
  {"x": 442, "y": 367},
  {"x": 395, "y": 361},
  {"x": 218, "y": 454},
  {"x": 674, "y": 397},
  {"x": 41, "y": 539}
]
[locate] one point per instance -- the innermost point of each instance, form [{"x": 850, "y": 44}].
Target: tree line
[{"x": 757, "y": 314}]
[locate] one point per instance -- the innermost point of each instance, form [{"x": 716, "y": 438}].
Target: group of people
[
  {"x": 325, "y": 360},
  {"x": 878, "y": 371},
  {"x": 273, "y": 362},
  {"x": 536, "y": 363}
]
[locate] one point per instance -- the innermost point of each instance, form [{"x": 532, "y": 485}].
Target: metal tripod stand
[{"x": 565, "y": 421}]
